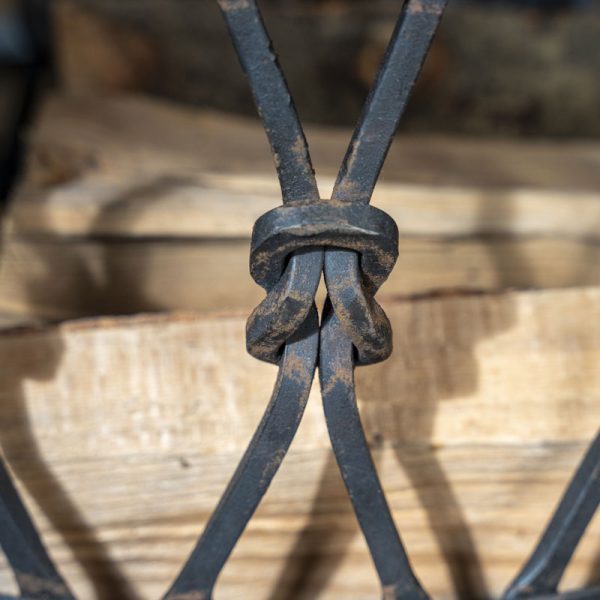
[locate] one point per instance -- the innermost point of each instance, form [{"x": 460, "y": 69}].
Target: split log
[
  {"x": 132, "y": 205},
  {"x": 123, "y": 432}
]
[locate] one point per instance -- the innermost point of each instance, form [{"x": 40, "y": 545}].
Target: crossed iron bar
[{"x": 355, "y": 246}]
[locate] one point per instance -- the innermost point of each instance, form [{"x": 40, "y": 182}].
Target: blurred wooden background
[{"x": 127, "y": 395}]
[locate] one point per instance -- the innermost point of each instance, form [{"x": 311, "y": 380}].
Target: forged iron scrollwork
[{"x": 355, "y": 246}]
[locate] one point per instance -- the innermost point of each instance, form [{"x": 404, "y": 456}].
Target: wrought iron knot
[
  {"x": 361, "y": 249},
  {"x": 355, "y": 246}
]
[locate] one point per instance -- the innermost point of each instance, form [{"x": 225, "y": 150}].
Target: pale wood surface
[
  {"x": 123, "y": 432},
  {"x": 130, "y": 204},
  {"x": 46, "y": 279},
  {"x": 127, "y": 165}
]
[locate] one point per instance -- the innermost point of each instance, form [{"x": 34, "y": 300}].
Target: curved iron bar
[
  {"x": 291, "y": 295},
  {"x": 348, "y": 318},
  {"x": 543, "y": 571},
  {"x": 366, "y": 324},
  {"x": 272, "y": 98},
  {"x": 284, "y": 318},
  {"x": 387, "y": 100},
  {"x": 336, "y": 376},
  {"x": 257, "y": 467},
  {"x": 35, "y": 573},
  {"x": 288, "y": 303},
  {"x": 586, "y": 594},
  {"x": 23, "y": 49}
]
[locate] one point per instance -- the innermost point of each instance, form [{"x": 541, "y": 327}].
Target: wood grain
[
  {"x": 127, "y": 165},
  {"x": 61, "y": 279},
  {"x": 122, "y": 433},
  {"x": 129, "y": 205}
]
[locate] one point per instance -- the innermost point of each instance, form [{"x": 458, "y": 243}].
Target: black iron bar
[
  {"x": 387, "y": 100},
  {"x": 543, "y": 571},
  {"x": 586, "y": 594},
  {"x": 368, "y": 327},
  {"x": 336, "y": 374},
  {"x": 273, "y": 100},
  {"x": 287, "y": 318},
  {"x": 23, "y": 58},
  {"x": 355, "y": 314},
  {"x": 289, "y": 302},
  {"x": 256, "y": 469}
]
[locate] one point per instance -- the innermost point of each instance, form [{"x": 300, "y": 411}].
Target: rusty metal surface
[{"x": 355, "y": 247}]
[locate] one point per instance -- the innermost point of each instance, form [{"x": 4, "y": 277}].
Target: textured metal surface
[
  {"x": 257, "y": 467},
  {"x": 336, "y": 374},
  {"x": 355, "y": 247}
]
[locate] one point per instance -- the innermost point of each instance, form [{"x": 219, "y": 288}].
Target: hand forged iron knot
[{"x": 287, "y": 258}]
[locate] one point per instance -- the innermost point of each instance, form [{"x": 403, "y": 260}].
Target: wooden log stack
[{"x": 122, "y": 431}]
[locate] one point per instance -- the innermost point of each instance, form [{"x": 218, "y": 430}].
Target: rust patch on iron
[
  {"x": 270, "y": 470},
  {"x": 340, "y": 373},
  {"x": 297, "y": 370},
  {"x": 299, "y": 150},
  {"x": 230, "y": 5},
  {"x": 388, "y": 592},
  {"x": 347, "y": 190},
  {"x": 416, "y": 7}
]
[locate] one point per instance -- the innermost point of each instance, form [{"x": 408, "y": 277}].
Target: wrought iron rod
[
  {"x": 543, "y": 571},
  {"x": 336, "y": 374},
  {"x": 387, "y": 100},
  {"x": 273, "y": 100},
  {"x": 257, "y": 467}
]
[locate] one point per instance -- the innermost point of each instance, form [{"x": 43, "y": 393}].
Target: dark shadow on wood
[
  {"x": 319, "y": 548},
  {"x": 594, "y": 576},
  {"x": 434, "y": 362},
  {"x": 449, "y": 525},
  {"x": 37, "y": 359}
]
